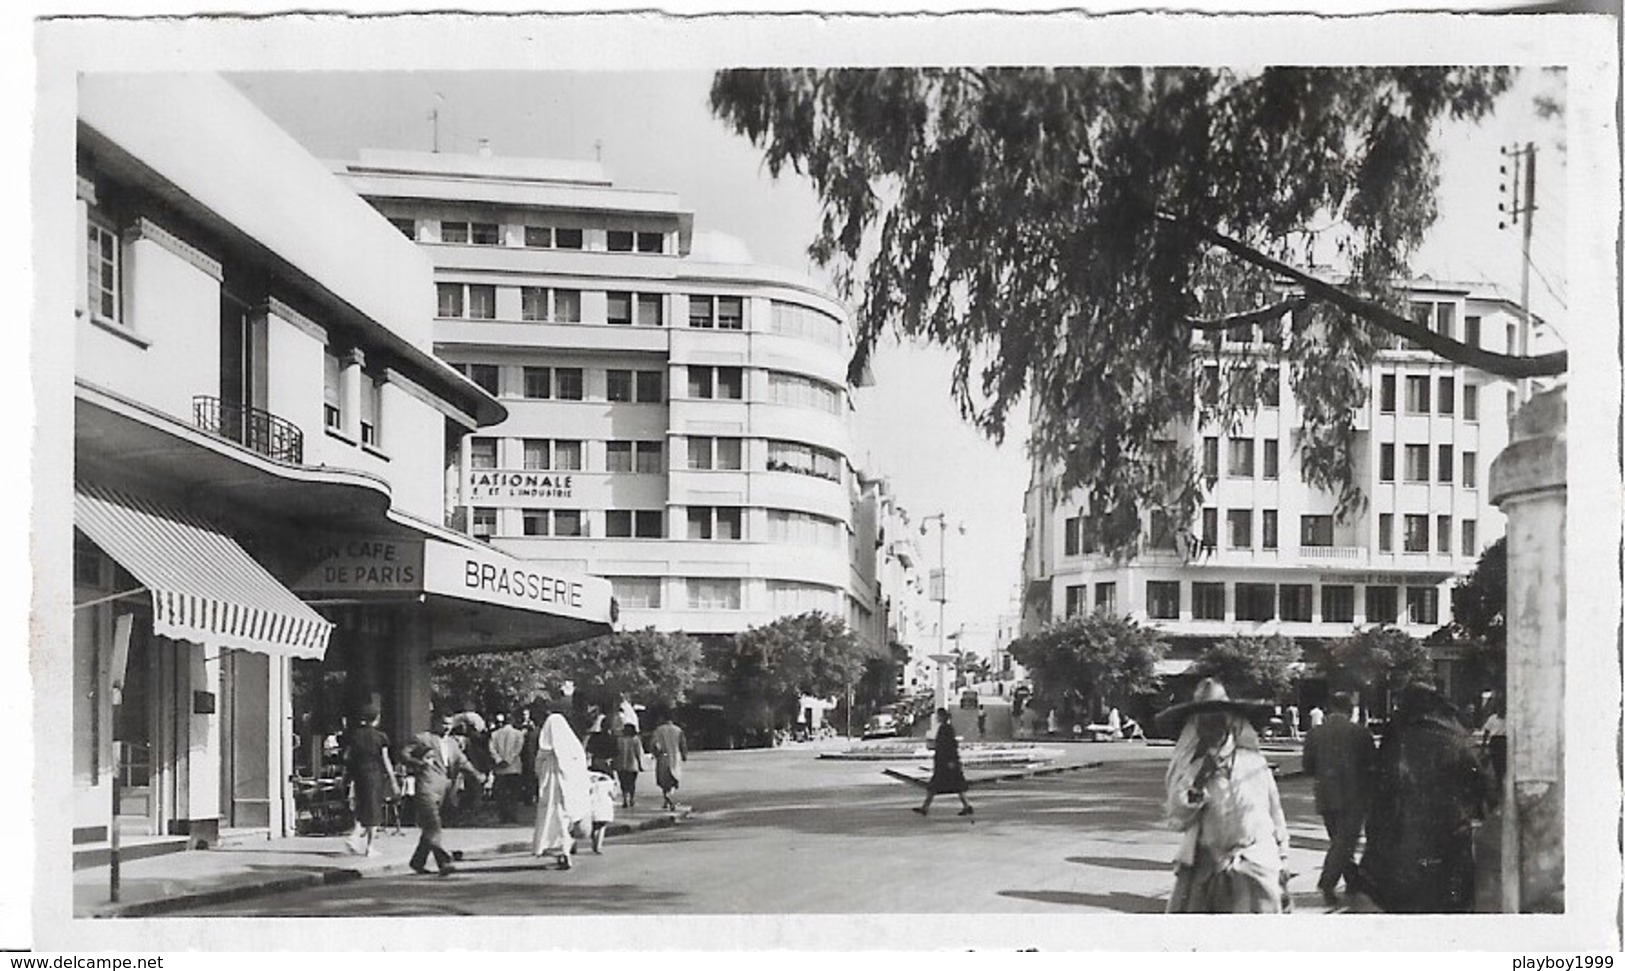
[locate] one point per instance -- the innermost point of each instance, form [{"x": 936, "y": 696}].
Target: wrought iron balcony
[{"x": 251, "y": 428}]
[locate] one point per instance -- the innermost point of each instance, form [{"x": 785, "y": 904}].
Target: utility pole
[
  {"x": 434, "y": 120},
  {"x": 1523, "y": 207}
]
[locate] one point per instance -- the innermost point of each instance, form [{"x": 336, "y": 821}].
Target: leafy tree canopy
[
  {"x": 1251, "y": 667},
  {"x": 1478, "y": 601},
  {"x": 1079, "y": 660},
  {"x": 497, "y": 682},
  {"x": 1066, "y": 230},
  {"x": 767, "y": 669},
  {"x": 1376, "y": 659}
]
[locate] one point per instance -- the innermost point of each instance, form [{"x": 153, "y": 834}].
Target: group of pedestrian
[
  {"x": 573, "y": 785},
  {"x": 1415, "y": 798}
]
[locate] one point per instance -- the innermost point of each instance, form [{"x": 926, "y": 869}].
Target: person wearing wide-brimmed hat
[
  {"x": 1428, "y": 790},
  {"x": 1222, "y": 798}
]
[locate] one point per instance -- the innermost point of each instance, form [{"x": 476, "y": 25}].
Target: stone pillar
[{"x": 1528, "y": 481}]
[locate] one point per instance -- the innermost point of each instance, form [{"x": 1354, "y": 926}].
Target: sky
[{"x": 653, "y": 130}]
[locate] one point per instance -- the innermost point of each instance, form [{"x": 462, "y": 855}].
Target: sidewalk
[{"x": 174, "y": 881}]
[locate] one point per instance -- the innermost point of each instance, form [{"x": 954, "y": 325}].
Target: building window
[
  {"x": 1416, "y": 463},
  {"x": 1422, "y": 605},
  {"x": 1297, "y": 602},
  {"x": 105, "y": 256},
  {"x": 1447, "y": 396},
  {"x": 1385, "y": 462},
  {"x": 1385, "y": 532},
  {"x": 1240, "y": 523},
  {"x": 1382, "y": 605},
  {"x": 1162, "y": 531},
  {"x": 618, "y": 385},
  {"x": 639, "y": 593},
  {"x": 533, "y": 303},
  {"x": 722, "y": 313},
  {"x": 803, "y": 460},
  {"x": 1255, "y": 601},
  {"x": 1444, "y": 534},
  {"x": 485, "y": 234},
  {"x": 1162, "y": 599},
  {"x": 1444, "y": 320},
  {"x": 1512, "y": 338},
  {"x": 1241, "y": 458},
  {"x": 372, "y": 403},
  {"x": 1209, "y": 387},
  {"x": 1416, "y": 534},
  {"x": 1473, "y": 328},
  {"x": 1210, "y": 528},
  {"x": 567, "y": 455},
  {"x": 801, "y": 529},
  {"x": 1272, "y": 458},
  {"x": 716, "y": 382},
  {"x": 1077, "y": 598},
  {"x": 536, "y": 522},
  {"x": 1207, "y": 601},
  {"x": 482, "y": 453},
  {"x": 453, "y": 232},
  {"x": 1106, "y": 597},
  {"x": 568, "y": 238},
  {"x": 1469, "y": 402},
  {"x": 487, "y": 376},
  {"x": 651, "y": 242},
  {"x": 619, "y": 240},
  {"x": 538, "y": 453},
  {"x": 1072, "y": 532},
  {"x": 618, "y": 458},
  {"x": 471, "y": 301},
  {"x": 1337, "y": 604},
  {"x": 1271, "y": 527},
  {"x": 1469, "y": 470},
  {"x": 715, "y": 522},
  {"x": 538, "y": 382},
  {"x": 1446, "y": 469},
  {"x": 629, "y": 523},
  {"x": 539, "y": 237},
  {"x": 793, "y": 320},
  {"x": 701, "y": 311},
  {"x": 544, "y": 303},
  {"x": 1469, "y": 537},
  {"x": 1385, "y": 394},
  {"x": 568, "y": 384},
  {"x": 713, "y": 594},
  {"x": 568, "y": 522},
  {"x": 1270, "y": 392},
  {"x": 1315, "y": 530},
  {"x": 1210, "y": 457},
  {"x": 721, "y": 454},
  {"x": 407, "y": 226},
  {"x": 483, "y": 523},
  {"x": 1417, "y": 398},
  {"x": 800, "y": 392},
  {"x": 567, "y": 306},
  {"x": 651, "y": 310},
  {"x": 649, "y": 457},
  {"x": 650, "y": 387},
  {"x": 332, "y": 391},
  {"x": 450, "y": 299},
  {"x": 620, "y": 307}
]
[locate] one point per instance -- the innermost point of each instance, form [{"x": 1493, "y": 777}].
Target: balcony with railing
[
  {"x": 251, "y": 428},
  {"x": 1332, "y": 552}
]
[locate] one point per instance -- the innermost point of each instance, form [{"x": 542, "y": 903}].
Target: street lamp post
[{"x": 939, "y": 593}]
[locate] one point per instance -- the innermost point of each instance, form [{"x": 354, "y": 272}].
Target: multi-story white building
[
  {"x": 257, "y": 411},
  {"x": 1267, "y": 555},
  {"x": 677, "y": 414}
]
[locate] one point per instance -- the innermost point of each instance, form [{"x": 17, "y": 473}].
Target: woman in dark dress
[
  {"x": 372, "y": 778},
  {"x": 946, "y": 773}
]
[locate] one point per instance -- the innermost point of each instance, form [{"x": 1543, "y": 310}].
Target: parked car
[{"x": 882, "y": 725}]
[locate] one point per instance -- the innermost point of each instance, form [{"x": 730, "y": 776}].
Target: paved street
[{"x": 782, "y": 831}]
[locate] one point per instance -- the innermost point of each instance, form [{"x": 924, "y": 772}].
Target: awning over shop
[{"x": 205, "y": 587}]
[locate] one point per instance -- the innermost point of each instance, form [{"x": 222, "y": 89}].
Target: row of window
[
  {"x": 709, "y": 593},
  {"x": 1420, "y": 398},
  {"x": 1269, "y": 386},
  {"x": 1418, "y": 467},
  {"x": 1266, "y": 601},
  {"x": 1081, "y": 533},
  {"x": 562, "y": 305},
  {"x": 1439, "y": 317},
  {"x": 1241, "y": 455},
  {"x": 333, "y": 400},
  {"x": 725, "y": 523},
  {"x": 532, "y": 235},
  {"x": 705, "y": 453},
  {"x": 705, "y": 381}
]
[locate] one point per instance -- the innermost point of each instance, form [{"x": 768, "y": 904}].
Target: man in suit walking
[
  {"x": 434, "y": 760},
  {"x": 1340, "y": 755}
]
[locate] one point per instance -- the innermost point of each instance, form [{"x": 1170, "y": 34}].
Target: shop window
[
  {"x": 1255, "y": 601},
  {"x": 1337, "y": 604},
  {"x": 1382, "y": 605},
  {"x": 1297, "y": 602}
]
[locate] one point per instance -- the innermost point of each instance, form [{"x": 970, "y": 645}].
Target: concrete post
[{"x": 1528, "y": 481}]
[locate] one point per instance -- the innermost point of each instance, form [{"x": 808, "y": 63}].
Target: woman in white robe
[{"x": 562, "y": 783}]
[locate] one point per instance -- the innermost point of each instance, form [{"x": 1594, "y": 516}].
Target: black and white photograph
[{"x": 632, "y": 481}]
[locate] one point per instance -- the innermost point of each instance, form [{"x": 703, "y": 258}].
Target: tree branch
[
  {"x": 1502, "y": 365},
  {"x": 1247, "y": 318}
]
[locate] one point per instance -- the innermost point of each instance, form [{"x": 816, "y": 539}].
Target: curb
[
  {"x": 1005, "y": 777},
  {"x": 303, "y": 881}
]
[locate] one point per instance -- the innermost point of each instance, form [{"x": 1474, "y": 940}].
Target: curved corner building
[{"x": 677, "y": 415}]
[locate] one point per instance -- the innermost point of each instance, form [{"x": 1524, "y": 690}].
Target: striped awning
[{"x": 205, "y": 587}]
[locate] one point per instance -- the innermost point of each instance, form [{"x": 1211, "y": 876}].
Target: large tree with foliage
[
  {"x": 1079, "y": 663},
  {"x": 766, "y": 669},
  {"x": 1377, "y": 662},
  {"x": 1251, "y": 667},
  {"x": 1066, "y": 231},
  {"x": 1478, "y": 623},
  {"x": 645, "y": 666}
]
